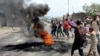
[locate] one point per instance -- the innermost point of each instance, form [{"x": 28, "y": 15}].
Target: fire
[{"x": 34, "y": 11}]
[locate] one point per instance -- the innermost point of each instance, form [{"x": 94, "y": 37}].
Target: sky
[{"x": 60, "y": 7}]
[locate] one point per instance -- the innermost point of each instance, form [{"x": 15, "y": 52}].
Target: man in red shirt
[{"x": 66, "y": 27}]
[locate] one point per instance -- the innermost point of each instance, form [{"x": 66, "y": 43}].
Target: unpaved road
[{"x": 12, "y": 40}]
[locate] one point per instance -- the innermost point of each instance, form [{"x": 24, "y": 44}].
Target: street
[
  {"x": 17, "y": 44},
  {"x": 25, "y": 24}
]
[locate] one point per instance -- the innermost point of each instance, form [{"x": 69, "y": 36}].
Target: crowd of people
[
  {"x": 90, "y": 28},
  {"x": 62, "y": 28}
]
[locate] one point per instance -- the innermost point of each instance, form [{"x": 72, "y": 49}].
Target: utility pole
[
  {"x": 68, "y": 6},
  {"x": 68, "y": 10},
  {"x": 73, "y": 8},
  {"x": 67, "y": 15}
]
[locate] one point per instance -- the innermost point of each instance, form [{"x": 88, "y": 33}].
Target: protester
[
  {"x": 67, "y": 27},
  {"x": 79, "y": 38},
  {"x": 60, "y": 29},
  {"x": 98, "y": 34},
  {"x": 94, "y": 42},
  {"x": 95, "y": 24},
  {"x": 98, "y": 21},
  {"x": 88, "y": 20},
  {"x": 72, "y": 22},
  {"x": 98, "y": 46},
  {"x": 86, "y": 30},
  {"x": 53, "y": 28}
]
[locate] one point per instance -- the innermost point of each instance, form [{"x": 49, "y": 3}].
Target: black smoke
[{"x": 13, "y": 12}]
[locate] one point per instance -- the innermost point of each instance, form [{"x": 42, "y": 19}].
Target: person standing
[
  {"x": 95, "y": 24},
  {"x": 79, "y": 38},
  {"x": 98, "y": 46},
  {"x": 98, "y": 21},
  {"x": 94, "y": 42}
]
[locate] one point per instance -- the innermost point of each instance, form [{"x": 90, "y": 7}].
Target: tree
[{"x": 91, "y": 9}]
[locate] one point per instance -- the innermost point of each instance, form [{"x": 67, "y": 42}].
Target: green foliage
[{"x": 91, "y": 9}]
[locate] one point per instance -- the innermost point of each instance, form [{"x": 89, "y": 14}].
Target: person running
[
  {"x": 67, "y": 27},
  {"x": 94, "y": 42},
  {"x": 79, "y": 38},
  {"x": 53, "y": 28},
  {"x": 60, "y": 29}
]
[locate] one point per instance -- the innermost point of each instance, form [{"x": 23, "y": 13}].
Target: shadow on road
[{"x": 61, "y": 47}]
